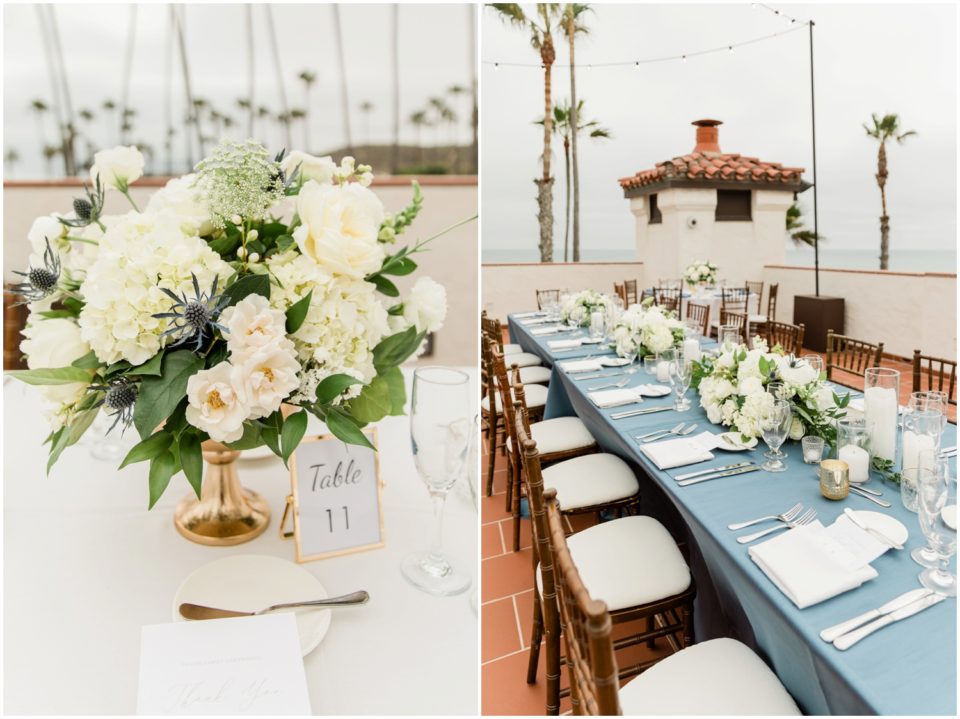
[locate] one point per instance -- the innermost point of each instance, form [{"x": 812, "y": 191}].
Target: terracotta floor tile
[
  {"x": 505, "y": 688},
  {"x": 525, "y": 613},
  {"x": 491, "y": 544},
  {"x": 505, "y": 575},
  {"x": 502, "y": 636},
  {"x": 492, "y": 509}
]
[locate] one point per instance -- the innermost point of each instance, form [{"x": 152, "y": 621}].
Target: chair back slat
[
  {"x": 738, "y": 319},
  {"x": 545, "y": 297},
  {"x": 630, "y": 292},
  {"x": 772, "y": 302},
  {"x": 940, "y": 374},
  {"x": 503, "y": 387},
  {"x": 648, "y": 294},
  {"x": 734, "y": 299},
  {"x": 756, "y": 288},
  {"x": 701, "y": 314},
  {"x": 620, "y": 291},
  {"x": 851, "y": 355},
  {"x": 668, "y": 299},
  {"x": 788, "y": 336}
]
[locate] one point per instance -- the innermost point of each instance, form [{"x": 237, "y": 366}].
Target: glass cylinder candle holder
[
  {"x": 853, "y": 447},
  {"x": 691, "y": 349},
  {"x": 596, "y": 325},
  {"x": 881, "y": 403},
  {"x": 663, "y": 364},
  {"x": 812, "y": 449},
  {"x": 920, "y": 468},
  {"x": 834, "y": 479},
  {"x": 729, "y": 336},
  {"x": 650, "y": 365},
  {"x": 921, "y": 439}
]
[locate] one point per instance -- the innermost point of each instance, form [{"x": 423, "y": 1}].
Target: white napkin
[
  {"x": 587, "y": 365},
  {"x": 545, "y": 330},
  {"x": 564, "y": 344},
  {"x": 614, "y": 397},
  {"x": 536, "y": 321},
  {"x": 677, "y": 452},
  {"x": 809, "y": 565},
  {"x": 654, "y": 390},
  {"x": 538, "y": 313}
]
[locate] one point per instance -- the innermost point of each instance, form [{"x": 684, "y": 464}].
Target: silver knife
[
  {"x": 860, "y": 493},
  {"x": 837, "y": 630},
  {"x": 729, "y": 473},
  {"x": 595, "y": 376},
  {"x": 848, "y": 640},
  {"x": 690, "y": 475},
  {"x": 867, "y": 528},
  {"x": 637, "y": 412}
]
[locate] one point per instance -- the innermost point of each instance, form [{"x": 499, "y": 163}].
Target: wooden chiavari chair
[
  {"x": 729, "y": 678},
  {"x": 755, "y": 288},
  {"x": 700, "y": 314},
  {"x": 734, "y": 299},
  {"x": 739, "y": 319},
  {"x": 648, "y": 295},
  {"x": 491, "y": 329},
  {"x": 788, "y": 336},
  {"x": 545, "y": 297},
  {"x": 668, "y": 299},
  {"x": 653, "y": 585},
  {"x": 759, "y": 320},
  {"x": 621, "y": 292},
  {"x": 630, "y": 292},
  {"x": 941, "y": 375},
  {"x": 851, "y": 355},
  {"x": 560, "y": 438}
]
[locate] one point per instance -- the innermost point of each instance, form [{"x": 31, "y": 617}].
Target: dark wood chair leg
[
  {"x": 686, "y": 613},
  {"x": 492, "y": 457},
  {"x": 535, "y": 639},
  {"x": 511, "y": 480},
  {"x": 552, "y": 632},
  {"x": 649, "y": 624},
  {"x": 517, "y": 496}
]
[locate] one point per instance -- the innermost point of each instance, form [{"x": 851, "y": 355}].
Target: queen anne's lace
[{"x": 239, "y": 180}]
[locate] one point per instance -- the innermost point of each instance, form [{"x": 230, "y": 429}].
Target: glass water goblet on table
[
  {"x": 815, "y": 361},
  {"x": 729, "y": 337},
  {"x": 774, "y": 426},
  {"x": 926, "y": 556},
  {"x": 937, "y": 509},
  {"x": 680, "y": 376},
  {"x": 440, "y": 431},
  {"x": 628, "y": 351}
]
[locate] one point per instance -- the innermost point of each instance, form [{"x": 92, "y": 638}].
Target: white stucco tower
[{"x": 710, "y": 205}]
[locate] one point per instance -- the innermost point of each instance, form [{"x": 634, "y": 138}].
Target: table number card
[{"x": 336, "y": 499}]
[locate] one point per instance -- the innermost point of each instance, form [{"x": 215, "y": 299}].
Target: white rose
[
  {"x": 181, "y": 197},
  {"x": 796, "y": 429},
  {"x": 51, "y": 344},
  {"x": 252, "y": 324},
  {"x": 801, "y": 374},
  {"x": 319, "y": 169},
  {"x": 217, "y": 402},
  {"x": 340, "y": 228},
  {"x": 118, "y": 167},
  {"x": 824, "y": 399},
  {"x": 426, "y": 305},
  {"x": 271, "y": 374},
  {"x": 750, "y": 385},
  {"x": 714, "y": 413},
  {"x": 44, "y": 228}
]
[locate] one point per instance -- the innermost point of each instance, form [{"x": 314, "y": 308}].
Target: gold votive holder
[{"x": 834, "y": 479}]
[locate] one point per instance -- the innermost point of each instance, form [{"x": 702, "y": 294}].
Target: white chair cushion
[
  {"x": 758, "y": 319},
  {"x": 727, "y": 678},
  {"x": 628, "y": 562},
  {"x": 521, "y": 359},
  {"x": 511, "y": 349},
  {"x": 531, "y": 375},
  {"x": 590, "y": 480},
  {"x": 535, "y": 394},
  {"x": 560, "y": 435}
]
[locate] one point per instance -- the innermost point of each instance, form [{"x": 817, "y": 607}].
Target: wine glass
[
  {"x": 926, "y": 556},
  {"x": 680, "y": 375},
  {"x": 628, "y": 350},
  {"x": 774, "y": 426},
  {"x": 597, "y": 326},
  {"x": 440, "y": 432},
  {"x": 937, "y": 509},
  {"x": 815, "y": 361}
]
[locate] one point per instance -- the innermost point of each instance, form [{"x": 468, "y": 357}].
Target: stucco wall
[{"x": 904, "y": 310}]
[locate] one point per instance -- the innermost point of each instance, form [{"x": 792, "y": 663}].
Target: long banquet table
[
  {"x": 86, "y": 565},
  {"x": 909, "y": 667}
]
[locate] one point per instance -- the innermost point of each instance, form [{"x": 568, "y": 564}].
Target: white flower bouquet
[
  {"x": 255, "y": 282},
  {"x": 578, "y": 306},
  {"x": 646, "y": 329},
  {"x": 701, "y": 273},
  {"x": 733, "y": 391}
]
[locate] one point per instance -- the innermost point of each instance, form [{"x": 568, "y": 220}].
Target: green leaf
[
  {"x": 58, "y": 443},
  {"x": 59, "y": 375},
  {"x": 344, "y": 428},
  {"x": 225, "y": 244},
  {"x": 294, "y": 427},
  {"x": 162, "y": 468},
  {"x": 148, "y": 448},
  {"x": 393, "y": 350},
  {"x": 398, "y": 390},
  {"x": 384, "y": 285},
  {"x": 373, "y": 403},
  {"x": 191, "y": 459},
  {"x": 88, "y": 361},
  {"x": 333, "y": 386},
  {"x": 159, "y": 396},
  {"x": 285, "y": 242},
  {"x": 400, "y": 266},
  {"x": 150, "y": 367},
  {"x": 298, "y": 313},
  {"x": 248, "y": 285},
  {"x": 250, "y": 439},
  {"x": 57, "y": 314}
]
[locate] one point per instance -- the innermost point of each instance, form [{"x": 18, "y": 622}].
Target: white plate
[
  {"x": 737, "y": 438},
  {"x": 614, "y": 361},
  {"x": 885, "y": 524},
  {"x": 249, "y": 582},
  {"x": 261, "y": 452},
  {"x": 654, "y": 390}
]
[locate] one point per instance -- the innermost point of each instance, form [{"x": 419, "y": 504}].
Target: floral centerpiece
[
  {"x": 645, "y": 329},
  {"x": 253, "y": 283},
  {"x": 700, "y": 274},
  {"x": 733, "y": 391},
  {"x": 579, "y": 306}
]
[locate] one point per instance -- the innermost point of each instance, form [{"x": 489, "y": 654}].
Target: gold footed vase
[{"x": 226, "y": 513}]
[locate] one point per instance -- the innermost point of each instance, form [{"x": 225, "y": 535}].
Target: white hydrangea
[
  {"x": 647, "y": 329},
  {"x": 182, "y": 197},
  {"x": 50, "y": 344},
  {"x": 426, "y": 306},
  {"x": 139, "y": 254}
]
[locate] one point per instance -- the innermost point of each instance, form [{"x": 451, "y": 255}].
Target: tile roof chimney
[{"x": 707, "y": 135}]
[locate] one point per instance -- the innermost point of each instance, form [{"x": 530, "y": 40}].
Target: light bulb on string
[
  {"x": 684, "y": 57},
  {"x": 636, "y": 65},
  {"x": 730, "y": 49},
  {"x": 496, "y": 66}
]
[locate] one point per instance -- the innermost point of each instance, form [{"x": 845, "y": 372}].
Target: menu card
[{"x": 245, "y": 666}]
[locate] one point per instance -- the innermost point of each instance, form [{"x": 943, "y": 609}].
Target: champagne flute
[
  {"x": 440, "y": 437},
  {"x": 774, "y": 426},
  {"x": 926, "y": 556},
  {"x": 937, "y": 509}
]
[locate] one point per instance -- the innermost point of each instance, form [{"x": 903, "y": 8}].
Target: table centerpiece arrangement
[
  {"x": 241, "y": 297},
  {"x": 700, "y": 275},
  {"x": 577, "y": 308},
  {"x": 644, "y": 329}
]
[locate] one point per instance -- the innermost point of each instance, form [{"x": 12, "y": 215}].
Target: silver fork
[
  {"x": 674, "y": 431},
  {"x": 784, "y": 517},
  {"x": 805, "y": 518},
  {"x": 661, "y": 431},
  {"x": 621, "y": 383}
]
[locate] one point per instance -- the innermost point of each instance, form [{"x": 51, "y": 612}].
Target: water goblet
[
  {"x": 937, "y": 509},
  {"x": 597, "y": 326},
  {"x": 774, "y": 426},
  {"x": 628, "y": 350},
  {"x": 926, "y": 556},
  {"x": 440, "y": 430},
  {"x": 729, "y": 337},
  {"x": 815, "y": 361},
  {"x": 650, "y": 365},
  {"x": 680, "y": 375}
]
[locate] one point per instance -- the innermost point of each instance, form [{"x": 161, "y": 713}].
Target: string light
[{"x": 730, "y": 49}]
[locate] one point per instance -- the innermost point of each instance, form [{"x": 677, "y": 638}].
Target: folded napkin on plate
[
  {"x": 677, "y": 452},
  {"x": 564, "y": 344},
  {"x": 546, "y": 330},
  {"x": 585, "y": 365},
  {"x": 614, "y": 397},
  {"x": 535, "y": 321},
  {"x": 654, "y": 390},
  {"x": 809, "y": 565},
  {"x": 529, "y": 314}
]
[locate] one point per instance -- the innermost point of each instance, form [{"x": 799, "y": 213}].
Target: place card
[{"x": 245, "y": 666}]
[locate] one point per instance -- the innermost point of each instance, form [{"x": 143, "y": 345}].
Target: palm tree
[
  {"x": 307, "y": 77},
  {"x": 882, "y": 130},
  {"x": 40, "y": 108},
  {"x": 456, "y": 92},
  {"x": 127, "y": 66},
  {"x": 573, "y": 24},
  {"x": 541, "y": 28},
  {"x": 795, "y": 226},
  {"x": 11, "y": 157},
  {"x": 178, "y": 19},
  {"x": 420, "y": 120},
  {"x": 49, "y": 153},
  {"x": 395, "y": 38},
  {"x": 263, "y": 114},
  {"x": 344, "y": 99},
  {"x": 563, "y": 116},
  {"x": 366, "y": 107}
]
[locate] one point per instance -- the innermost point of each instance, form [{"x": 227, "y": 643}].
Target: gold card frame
[{"x": 292, "y": 508}]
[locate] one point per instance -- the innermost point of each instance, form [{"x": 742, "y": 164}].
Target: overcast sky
[
  {"x": 434, "y": 53},
  {"x": 869, "y": 58}
]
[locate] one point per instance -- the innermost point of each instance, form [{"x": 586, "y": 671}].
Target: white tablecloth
[{"x": 86, "y": 565}]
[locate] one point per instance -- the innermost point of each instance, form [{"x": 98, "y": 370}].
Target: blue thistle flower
[
  {"x": 194, "y": 318},
  {"x": 41, "y": 281},
  {"x": 120, "y": 396}
]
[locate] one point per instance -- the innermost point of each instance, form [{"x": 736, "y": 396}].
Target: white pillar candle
[
  {"x": 663, "y": 371},
  {"x": 880, "y": 409},
  {"x": 691, "y": 350},
  {"x": 859, "y": 461}
]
